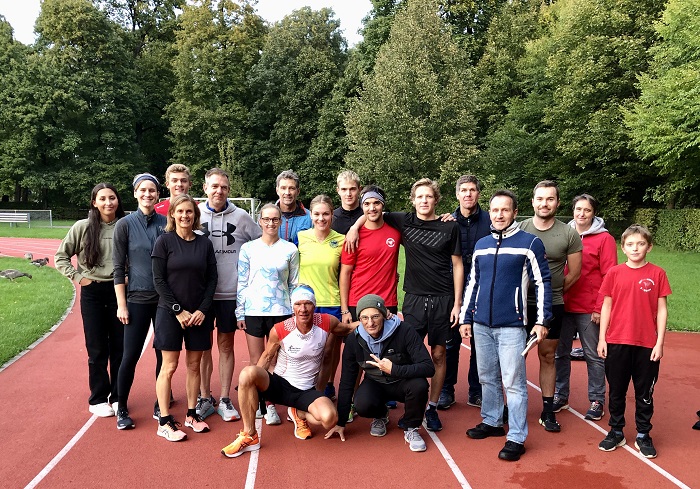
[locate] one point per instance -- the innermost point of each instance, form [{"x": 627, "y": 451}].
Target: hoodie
[
  {"x": 227, "y": 230},
  {"x": 599, "y": 255}
]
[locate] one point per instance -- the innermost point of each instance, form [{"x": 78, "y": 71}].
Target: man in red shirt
[{"x": 178, "y": 181}]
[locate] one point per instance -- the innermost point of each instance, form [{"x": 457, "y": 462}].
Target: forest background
[{"x": 602, "y": 96}]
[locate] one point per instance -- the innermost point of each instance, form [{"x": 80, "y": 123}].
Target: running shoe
[
  {"x": 102, "y": 410},
  {"x": 124, "y": 422},
  {"x": 414, "y": 440},
  {"x": 645, "y": 446},
  {"x": 196, "y": 423},
  {"x": 391, "y": 404},
  {"x": 243, "y": 443},
  {"x": 258, "y": 414},
  {"x": 432, "y": 420},
  {"x": 301, "y": 427},
  {"x": 445, "y": 400},
  {"x": 559, "y": 404},
  {"x": 475, "y": 401},
  {"x": 170, "y": 431},
  {"x": 595, "y": 412},
  {"x": 272, "y": 418},
  {"x": 378, "y": 426},
  {"x": 483, "y": 430},
  {"x": 226, "y": 410},
  {"x": 205, "y": 406},
  {"x": 613, "y": 440},
  {"x": 353, "y": 413},
  {"x": 550, "y": 423}
]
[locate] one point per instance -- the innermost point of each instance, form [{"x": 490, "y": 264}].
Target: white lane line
[
  {"x": 450, "y": 461},
  {"x": 651, "y": 464},
  {"x": 253, "y": 464},
  {"x": 73, "y": 441}
]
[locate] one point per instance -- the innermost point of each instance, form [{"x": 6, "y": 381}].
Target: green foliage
[
  {"x": 676, "y": 229},
  {"x": 414, "y": 116}
]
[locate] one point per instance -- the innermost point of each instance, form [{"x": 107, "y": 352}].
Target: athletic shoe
[
  {"x": 156, "y": 411},
  {"x": 474, "y": 401},
  {"x": 243, "y": 443},
  {"x": 226, "y": 410},
  {"x": 612, "y": 441},
  {"x": 549, "y": 421},
  {"x": 170, "y": 431},
  {"x": 102, "y": 410},
  {"x": 446, "y": 400},
  {"x": 353, "y": 413},
  {"x": 258, "y": 414},
  {"x": 414, "y": 440},
  {"x": 205, "y": 406},
  {"x": 559, "y": 404},
  {"x": 483, "y": 430},
  {"x": 511, "y": 451},
  {"x": 595, "y": 412},
  {"x": 645, "y": 446},
  {"x": 696, "y": 426},
  {"x": 391, "y": 404},
  {"x": 115, "y": 407},
  {"x": 124, "y": 422},
  {"x": 378, "y": 426},
  {"x": 272, "y": 418},
  {"x": 576, "y": 354},
  {"x": 196, "y": 423},
  {"x": 301, "y": 427},
  {"x": 329, "y": 391},
  {"x": 432, "y": 420}
]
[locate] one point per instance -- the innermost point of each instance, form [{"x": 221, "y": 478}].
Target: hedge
[{"x": 676, "y": 229}]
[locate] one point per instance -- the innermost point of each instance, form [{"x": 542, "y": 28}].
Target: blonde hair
[
  {"x": 426, "y": 182},
  {"x": 177, "y": 168},
  {"x": 173, "y": 205},
  {"x": 350, "y": 176}
]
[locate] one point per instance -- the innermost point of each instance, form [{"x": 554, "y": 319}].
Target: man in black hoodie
[{"x": 396, "y": 364}]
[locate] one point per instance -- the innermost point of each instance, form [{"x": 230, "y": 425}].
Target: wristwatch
[{"x": 177, "y": 308}]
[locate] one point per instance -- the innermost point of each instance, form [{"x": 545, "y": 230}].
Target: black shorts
[
  {"x": 260, "y": 326},
  {"x": 555, "y": 323},
  {"x": 353, "y": 311},
  {"x": 429, "y": 315},
  {"x": 282, "y": 392},
  {"x": 169, "y": 334},
  {"x": 225, "y": 314}
]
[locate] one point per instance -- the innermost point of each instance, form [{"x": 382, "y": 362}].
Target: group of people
[{"x": 307, "y": 284}]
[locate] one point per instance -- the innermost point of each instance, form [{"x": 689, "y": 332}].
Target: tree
[
  {"x": 414, "y": 116},
  {"x": 665, "y": 121}
]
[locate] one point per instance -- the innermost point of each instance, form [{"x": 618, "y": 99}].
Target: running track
[{"x": 49, "y": 439}]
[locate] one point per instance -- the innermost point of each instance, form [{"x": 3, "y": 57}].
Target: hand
[
  {"x": 336, "y": 429},
  {"x": 447, "y": 217},
  {"x": 595, "y": 318},
  {"x": 384, "y": 364},
  {"x": 541, "y": 332},
  {"x": 603, "y": 349},
  {"x": 352, "y": 239},
  {"x": 197, "y": 318},
  {"x": 123, "y": 314},
  {"x": 347, "y": 318},
  {"x": 84, "y": 282},
  {"x": 184, "y": 318},
  {"x": 465, "y": 330},
  {"x": 240, "y": 324},
  {"x": 657, "y": 353},
  {"x": 454, "y": 315}
]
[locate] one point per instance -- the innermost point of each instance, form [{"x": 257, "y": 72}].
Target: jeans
[
  {"x": 588, "y": 333},
  {"x": 104, "y": 340},
  {"x": 453, "y": 347},
  {"x": 501, "y": 366}
]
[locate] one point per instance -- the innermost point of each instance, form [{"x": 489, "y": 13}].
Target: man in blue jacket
[
  {"x": 494, "y": 311},
  {"x": 295, "y": 217},
  {"x": 396, "y": 365}
]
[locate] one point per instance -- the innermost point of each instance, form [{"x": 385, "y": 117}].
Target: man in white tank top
[{"x": 299, "y": 344}]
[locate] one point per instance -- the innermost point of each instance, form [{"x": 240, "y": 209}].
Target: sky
[{"x": 21, "y": 14}]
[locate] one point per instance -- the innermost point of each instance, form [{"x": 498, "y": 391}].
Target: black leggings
[{"x": 140, "y": 318}]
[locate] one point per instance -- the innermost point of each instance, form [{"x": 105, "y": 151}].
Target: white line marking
[
  {"x": 450, "y": 461},
  {"x": 253, "y": 464}
]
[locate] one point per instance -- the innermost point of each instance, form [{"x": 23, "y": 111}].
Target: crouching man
[{"x": 396, "y": 364}]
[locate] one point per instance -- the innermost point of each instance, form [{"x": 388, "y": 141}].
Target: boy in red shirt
[{"x": 632, "y": 330}]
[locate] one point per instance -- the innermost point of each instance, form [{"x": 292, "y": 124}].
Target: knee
[
  {"x": 248, "y": 377},
  {"x": 329, "y": 416},
  {"x": 168, "y": 368},
  {"x": 546, "y": 355},
  {"x": 439, "y": 357},
  {"x": 225, "y": 343}
]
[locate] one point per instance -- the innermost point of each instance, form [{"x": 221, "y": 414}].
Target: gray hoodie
[{"x": 375, "y": 345}]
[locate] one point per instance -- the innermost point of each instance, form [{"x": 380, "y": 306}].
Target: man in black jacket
[{"x": 396, "y": 364}]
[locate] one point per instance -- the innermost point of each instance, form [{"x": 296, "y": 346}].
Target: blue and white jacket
[{"x": 503, "y": 265}]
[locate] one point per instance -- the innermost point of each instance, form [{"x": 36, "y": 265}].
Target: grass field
[
  {"x": 58, "y": 231},
  {"x": 29, "y": 307}
]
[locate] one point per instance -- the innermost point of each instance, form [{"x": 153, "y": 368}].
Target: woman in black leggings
[{"x": 137, "y": 299}]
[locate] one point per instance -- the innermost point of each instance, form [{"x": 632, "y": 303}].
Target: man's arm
[
  {"x": 344, "y": 286},
  {"x": 458, "y": 283},
  {"x": 573, "y": 261},
  {"x": 341, "y": 329},
  {"x": 270, "y": 353},
  {"x": 604, "y": 323}
]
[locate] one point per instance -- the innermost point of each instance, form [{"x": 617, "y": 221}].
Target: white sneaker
[
  {"x": 115, "y": 407},
  {"x": 102, "y": 410},
  {"x": 414, "y": 440},
  {"x": 258, "y": 414},
  {"x": 226, "y": 410},
  {"x": 272, "y": 417}
]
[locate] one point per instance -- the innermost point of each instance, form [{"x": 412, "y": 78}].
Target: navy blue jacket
[{"x": 471, "y": 229}]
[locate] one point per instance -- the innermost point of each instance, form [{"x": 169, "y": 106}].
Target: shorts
[
  {"x": 260, "y": 326},
  {"x": 554, "y": 324},
  {"x": 429, "y": 315},
  {"x": 280, "y": 391},
  {"x": 332, "y": 310},
  {"x": 353, "y": 311},
  {"x": 225, "y": 314},
  {"x": 169, "y": 334}
]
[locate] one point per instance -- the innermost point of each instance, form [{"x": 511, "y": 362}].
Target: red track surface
[{"x": 44, "y": 406}]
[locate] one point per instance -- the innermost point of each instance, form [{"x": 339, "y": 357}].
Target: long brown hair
[{"x": 92, "y": 252}]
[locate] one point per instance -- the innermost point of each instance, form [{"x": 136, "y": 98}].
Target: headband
[
  {"x": 145, "y": 176},
  {"x": 372, "y": 195},
  {"x": 303, "y": 293}
]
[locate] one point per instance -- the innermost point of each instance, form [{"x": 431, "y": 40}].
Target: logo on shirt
[
  {"x": 646, "y": 285},
  {"x": 218, "y": 233},
  {"x": 334, "y": 243},
  {"x": 390, "y": 242},
  {"x": 319, "y": 346},
  {"x": 293, "y": 349}
]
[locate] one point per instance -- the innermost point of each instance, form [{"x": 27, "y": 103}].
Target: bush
[{"x": 676, "y": 229}]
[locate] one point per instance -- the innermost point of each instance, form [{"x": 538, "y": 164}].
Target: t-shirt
[
  {"x": 343, "y": 220},
  {"x": 163, "y": 207},
  {"x": 300, "y": 355},
  {"x": 189, "y": 268},
  {"x": 560, "y": 241},
  {"x": 375, "y": 263},
  {"x": 635, "y": 294},
  {"x": 430, "y": 246},
  {"x": 319, "y": 265}
]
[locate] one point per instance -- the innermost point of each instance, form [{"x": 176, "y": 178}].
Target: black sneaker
[
  {"x": 696, "y": 426},
  {"x": 446, "y": 400},
  {"x": 549, "y": 421},
  {"x": 156, "y": 411},
  {"x": 474, "y": 401},
  {"x": 645, "y": 446},
  {"x": 124, "y": 422},
  {"x": 483, "y": 430},
  {"x": 559, "y": 404},
  {"x": 432, "y": 420},
  {"x": 511, "y": 451},
  {"x": 595, "y": 412},
  {"x": 612, "y": 441}
]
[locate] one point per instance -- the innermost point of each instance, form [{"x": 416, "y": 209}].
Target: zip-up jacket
[
  {"x": 471, "y": 230},
  {"x": 503, "y": 265},
  {"x": 299, "y": 220},
  {"x": 407, "y": 352}
]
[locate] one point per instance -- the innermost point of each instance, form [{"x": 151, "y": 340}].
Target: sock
[
  {"x": 191, "y": 412},
  {"x": 432, "y": 405},
  {"x": 164, "y": 420},
  {"x": 548, "y": 403}
]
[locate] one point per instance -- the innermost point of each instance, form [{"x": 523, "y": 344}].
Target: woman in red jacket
[{"x": 582, "y": 306}]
